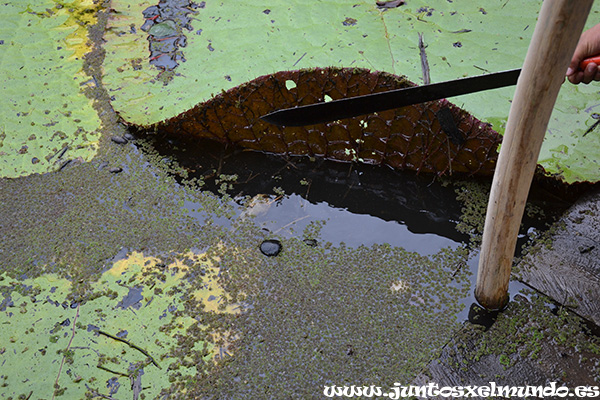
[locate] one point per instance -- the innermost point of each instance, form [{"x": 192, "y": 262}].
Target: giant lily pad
[
  {"x": 436, "y": 137},
  {"x": 46, "y": 117},
  {"x": 228, "y": 44}
]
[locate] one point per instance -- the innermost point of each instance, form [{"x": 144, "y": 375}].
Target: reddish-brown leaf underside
[{"x": 404, "y": 138}]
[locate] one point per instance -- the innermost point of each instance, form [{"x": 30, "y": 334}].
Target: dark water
[{"x": 393, "y": 207}]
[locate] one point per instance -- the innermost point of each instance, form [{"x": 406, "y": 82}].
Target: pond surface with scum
[
  {"x": 373, "y": 276},
  {"x": 134, "y": 276}
]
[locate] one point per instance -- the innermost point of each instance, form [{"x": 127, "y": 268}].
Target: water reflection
[{"x": 291, "y": 215}]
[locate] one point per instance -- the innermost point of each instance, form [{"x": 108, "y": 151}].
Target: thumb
[
  {"x": 580, "y": 52},
  {"x": 573, "y": 66},
  {"x": 579, "y": 55}
]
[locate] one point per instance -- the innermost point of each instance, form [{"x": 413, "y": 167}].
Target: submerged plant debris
[
  {"x": 411, "y": 137},
  {"x": 165, "y": 24}
]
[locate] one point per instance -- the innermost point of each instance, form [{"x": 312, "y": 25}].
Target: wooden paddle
[{"x": 557, "y": 31}]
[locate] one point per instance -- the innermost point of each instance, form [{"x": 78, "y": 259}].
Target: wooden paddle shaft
[{"x": 557, "y": 31}]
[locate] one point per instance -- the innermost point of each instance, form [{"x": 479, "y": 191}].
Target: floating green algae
[
  {"x": 367, "y": 313},
  {"x": 105, "y": 212},
  {"x": 334, "y": 314},
  {"x": 46, "y": 117}
]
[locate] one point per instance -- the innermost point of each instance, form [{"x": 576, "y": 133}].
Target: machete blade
[{"x": 360, "y": 105}]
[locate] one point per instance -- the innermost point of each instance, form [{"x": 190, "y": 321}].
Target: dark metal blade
[{"x": 360, "y": 105}]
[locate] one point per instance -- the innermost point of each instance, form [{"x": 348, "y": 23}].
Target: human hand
[{"x": 588, "y": 46}]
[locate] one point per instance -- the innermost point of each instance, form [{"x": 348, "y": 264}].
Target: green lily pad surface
[
  {"x": 46, "y": 117},
  {"x": 233, "y": 43},
  {"x": 129, "y": 334},
  {"x": 229, "y": 43}
]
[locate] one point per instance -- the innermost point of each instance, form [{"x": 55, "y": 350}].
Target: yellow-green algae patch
[
  {"x": 124, "y": 339},
  {"x": 45, "y": 116}
]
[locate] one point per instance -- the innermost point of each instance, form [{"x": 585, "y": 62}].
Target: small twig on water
[
  {"x": 308, "y": 189},
  {"x": 591, "y": 128},
  {"x": 102, "y": 367},
  {"x": 291, "y": 223},
  {"x": 250, "y": 177},
  {"x": 128, "y": 343},
  {"x": 424, "y": 63},
  {"x": 276, "y": 199},
  {"x": 460, "y": 265}
]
